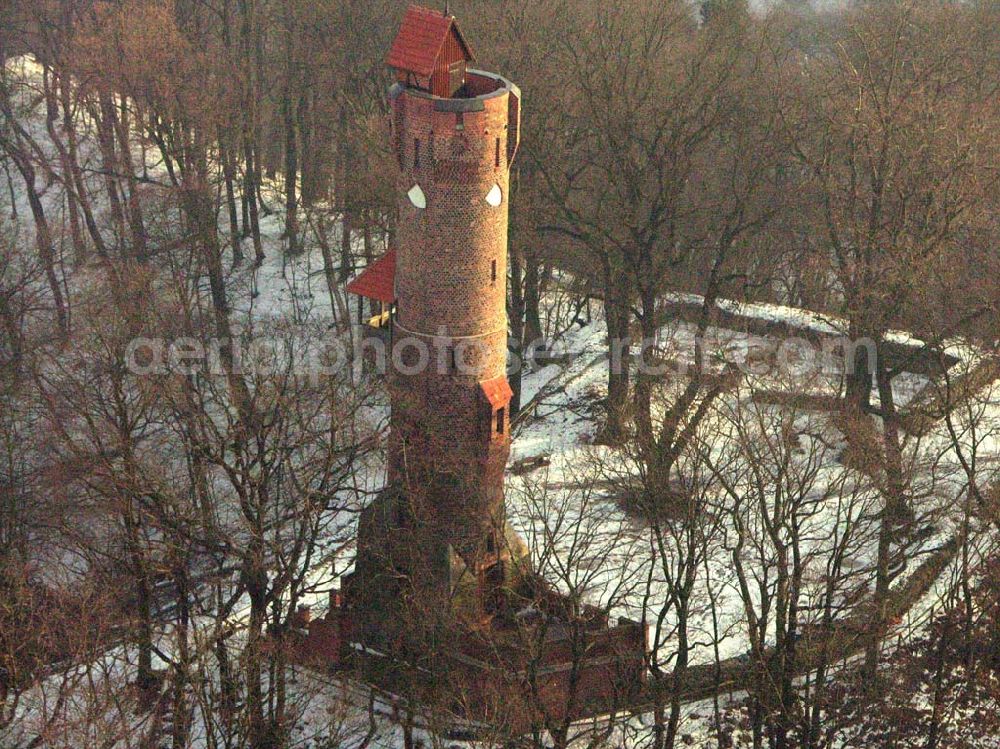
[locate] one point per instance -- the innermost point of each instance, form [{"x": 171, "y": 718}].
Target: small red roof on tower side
[
  {"x": 378, "y": 280},
  {"x": 497, "y": 391},
  {"x": 420, "y": 39}
]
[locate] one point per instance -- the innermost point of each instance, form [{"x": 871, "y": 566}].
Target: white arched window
[
  {"x": 495, "y": 196},
  {"x": 417, "y": 197}
]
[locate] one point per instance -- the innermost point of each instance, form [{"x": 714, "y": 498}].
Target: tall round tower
[
  {"x": 450, "y": 419},
  {"x": 439, "y": 581},
  {"x": 455, "y": 134}
]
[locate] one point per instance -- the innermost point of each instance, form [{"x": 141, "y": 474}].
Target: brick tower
[
  {"x": 437, "y": 537},
  {"x": 442, "y": 592}
]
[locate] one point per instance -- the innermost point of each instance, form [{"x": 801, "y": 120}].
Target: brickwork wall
[
  {"x": 445, "y": 452},
  {"x": 451, "y": 272},
  {"x": 444, "y": 274}
]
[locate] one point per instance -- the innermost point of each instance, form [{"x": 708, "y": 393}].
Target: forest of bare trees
[{"x": 181, "y": 180}]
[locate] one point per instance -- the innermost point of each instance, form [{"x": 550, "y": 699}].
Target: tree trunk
[
  {"x": 291, "y": 145},
  {"x": 136, "y": 223},
  {"x": 680, "y": 672},
  {"x": 228, "y": 174},
  {"x": 255, "y": 654},
  {"x": 515, "y": 318},
  {"x": 145, "y": 678},
  {"x": 643, "y": 383},
  {"x": 250, "y": 196},
  {"x": 533, "y": 332},
  {"x": 619, "y": 346},
  {"x": 895, "y": 482},
  {"x": 109, "y": 161},
  {"x": 10, "y": 189},
  {"x": 181, "y": 711},
  {"x": 346, "y": 256},
  {"x": 43, "y": 241},
  {"x": 251, "y": 52},
  {"x": 366, "y": 236},
  {"x": 330, "y": 273},
  {"x": 51, "y": 114},
  {"x": 879, "y": 599},
  {"x": 80, "y": 192},
  {"x": 309, "y": 187},
  {"x": 859, "y": 377}
]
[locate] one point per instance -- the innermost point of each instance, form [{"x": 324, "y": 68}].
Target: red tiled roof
[
  {"x": 377, "y": 281},
  {"x": 420, "y": 38},
  {"x": 497, "y": 391}
]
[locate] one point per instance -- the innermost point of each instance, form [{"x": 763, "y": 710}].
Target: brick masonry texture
[
  {"x": 451, "y": 271},
  {"x": 444, "y": 275}
]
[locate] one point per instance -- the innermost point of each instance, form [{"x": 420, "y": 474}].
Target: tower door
[
  {"x": 491, "y": 587},
  {"x": 456, "y": 77}
]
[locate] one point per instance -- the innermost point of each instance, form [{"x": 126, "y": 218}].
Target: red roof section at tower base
[
  {"x": 418, "y": 44},
  {"x": 497, "y": 391},
  {"x": 378, "y": 280}
]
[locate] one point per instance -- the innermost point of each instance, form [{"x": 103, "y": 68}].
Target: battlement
[{"x": 433, "y": 136}]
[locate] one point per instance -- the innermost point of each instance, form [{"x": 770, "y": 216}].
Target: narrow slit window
[
  {"x": 493, "y": 272},
  {"x": 416, "y": 153},
  {"x": 496, "y": 156},
  {"x": 500, "y": 418},
  {"x": 452, "y": 360}
]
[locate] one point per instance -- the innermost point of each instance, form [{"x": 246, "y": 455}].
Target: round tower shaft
[{"x": 450, "y": 428}]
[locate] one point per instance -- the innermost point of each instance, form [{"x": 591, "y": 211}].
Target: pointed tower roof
[{"x": 420, "y": 39}]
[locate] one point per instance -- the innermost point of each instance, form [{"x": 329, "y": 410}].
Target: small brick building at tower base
[{"x": 443, "y": 603}]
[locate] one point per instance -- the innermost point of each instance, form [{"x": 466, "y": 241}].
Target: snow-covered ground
[
  {"x": 573, "y": 505},
  {"x": 578, "y": 472}
]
